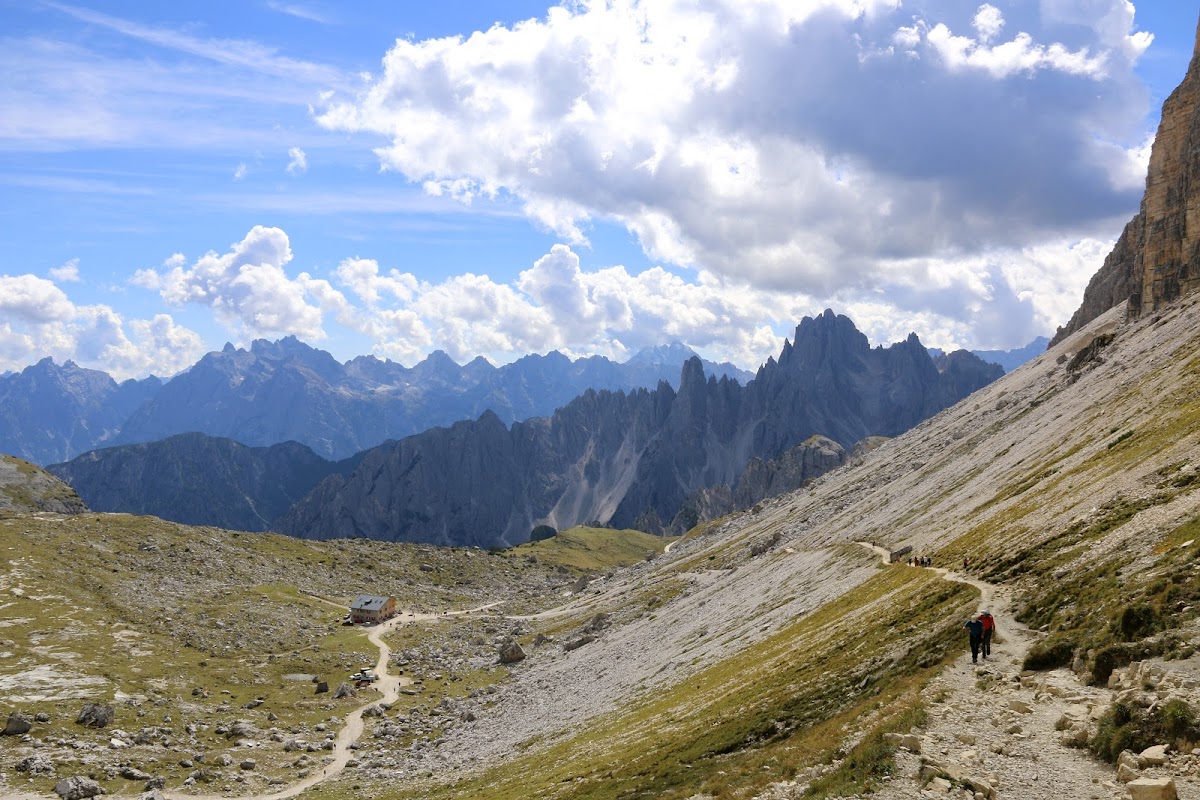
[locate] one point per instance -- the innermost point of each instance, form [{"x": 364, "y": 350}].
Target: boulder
[
  {"x": 77, "y": 788},
  {"x": 344, "y": 690},
  {"x": 1155, "y": 756},
  {"x": 511, "y": 652},
  {"x": 134, "y": 774},
  {"x": 1125, "y": 773},
  {"x": 241, "y": 729},
  {"x": 1152, "y": 789},
  {"x": 322, "y": 687},
  {"x": 95, "y": 715},
  {"x": 909, "y": 741},
  {"x": 248, "y": 764},
  {"x": 36, "y": 764},
  {"x": 18, "y": 724},
  {"x": 575, "y": 644}
]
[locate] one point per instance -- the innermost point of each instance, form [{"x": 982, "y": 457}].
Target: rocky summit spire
[{"x": 1157, "y": 258}]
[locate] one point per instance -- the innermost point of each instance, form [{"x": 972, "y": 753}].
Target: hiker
[
  {"x": 975, "y": 631},
  {"x": 966, "y": 563},
  {"x": 989, "y": 626}
]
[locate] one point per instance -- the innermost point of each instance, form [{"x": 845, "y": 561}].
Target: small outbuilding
[{"x": 372, "y": 608}]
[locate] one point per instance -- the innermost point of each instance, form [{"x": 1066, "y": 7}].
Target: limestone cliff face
[
  {"x": 1157, "y": 258},
  {"x": 635, "y": 459}
]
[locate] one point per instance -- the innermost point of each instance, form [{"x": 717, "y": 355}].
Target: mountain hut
[{"x": 372, "y": 608}]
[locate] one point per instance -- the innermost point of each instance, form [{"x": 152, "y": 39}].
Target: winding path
[
  {"x": 994, "y": 722},
  {"x": 388, "y": 685},
  {"x": 990, "y": 595}
]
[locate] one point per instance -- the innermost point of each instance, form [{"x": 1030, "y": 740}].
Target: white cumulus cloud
[
  {"x": 988, "y": 22},
  {"x": 248, "y": 288},
  {"x": 40, "y": 320},
  {"x": 67, "y": 273},
  {"x": 800, "y": 147}
]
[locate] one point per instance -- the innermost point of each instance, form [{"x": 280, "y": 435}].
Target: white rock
[
  {"x": 1154, "y": 756},
  {"x": 1127, "y": 758},
  {"x": 1152, "y": 789}
]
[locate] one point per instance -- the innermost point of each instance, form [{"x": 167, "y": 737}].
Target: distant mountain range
[
  {"x": 653, "y": 459},
  {"x": 287, "y": 391},
  {"x": 50, "y": 413}
]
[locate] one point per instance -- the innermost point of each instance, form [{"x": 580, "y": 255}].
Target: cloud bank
[
  {"x": 555, "y": 304},
  {"x": 38, "y": 319},
  {"x": 827, "y": 148}
]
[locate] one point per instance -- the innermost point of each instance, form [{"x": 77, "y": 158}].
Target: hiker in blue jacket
[{"x": 974, "y": 627}]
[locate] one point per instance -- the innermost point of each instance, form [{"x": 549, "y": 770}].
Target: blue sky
[{"x": 373, "y": 177}]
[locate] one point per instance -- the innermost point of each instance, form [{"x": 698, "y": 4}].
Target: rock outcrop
[
  {"x": 25, "y": 487},
  {"x": 1157, "y": 258},
  {"x": 77, "y": 788}
]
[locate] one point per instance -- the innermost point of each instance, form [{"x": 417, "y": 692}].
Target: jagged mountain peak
[
  {"x": 439, "y": 358},
  {"x": 670, "y": 353},
  {"x": 620, "y": 458}
]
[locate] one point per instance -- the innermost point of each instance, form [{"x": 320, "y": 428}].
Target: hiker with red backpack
[{"x": 989, "y": 627}]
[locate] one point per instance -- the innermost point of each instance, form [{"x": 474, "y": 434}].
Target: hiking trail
[
  {"x": 995, "y": 730},
  {"x": 388, "y": 686}
]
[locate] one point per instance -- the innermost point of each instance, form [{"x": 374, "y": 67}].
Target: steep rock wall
[{"x": 1157, "y": 258}]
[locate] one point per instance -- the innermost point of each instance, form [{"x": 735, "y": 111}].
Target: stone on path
[
  {"x": 1152, "y": 789},
  {"x": 1020, "y": 706},
  {"x": 909, "y": 741},
  {"x": 1154, "y": 756}
]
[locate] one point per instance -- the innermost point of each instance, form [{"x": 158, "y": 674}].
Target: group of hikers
[{"x": 980, "y": 629}]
